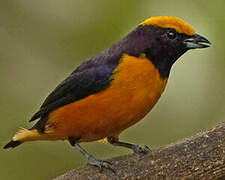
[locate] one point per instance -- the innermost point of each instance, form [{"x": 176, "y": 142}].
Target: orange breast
[{"x": 134, "y": 91}]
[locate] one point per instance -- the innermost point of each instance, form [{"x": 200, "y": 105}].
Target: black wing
[{"x": 81, "y": 83}]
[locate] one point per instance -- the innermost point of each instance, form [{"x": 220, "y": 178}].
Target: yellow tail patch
[{"x": 26, "y": 135}]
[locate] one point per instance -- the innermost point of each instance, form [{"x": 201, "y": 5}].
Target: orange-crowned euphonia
[{"x": 114, "y": 89}]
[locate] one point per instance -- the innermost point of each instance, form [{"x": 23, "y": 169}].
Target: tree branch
[{"x": 199, "y": 157}]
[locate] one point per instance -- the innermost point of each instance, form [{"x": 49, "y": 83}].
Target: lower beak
[{"x": 196, "y": 41}]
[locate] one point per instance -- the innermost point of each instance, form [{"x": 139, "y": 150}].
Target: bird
[{"x": 113, "y": 90}]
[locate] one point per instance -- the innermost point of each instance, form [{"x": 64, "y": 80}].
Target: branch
[{"x": 199, "y": 157}]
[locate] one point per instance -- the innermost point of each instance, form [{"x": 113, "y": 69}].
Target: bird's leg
[
  {"x": 136, "y": 148},
  {"x": 91, "y": 159}
]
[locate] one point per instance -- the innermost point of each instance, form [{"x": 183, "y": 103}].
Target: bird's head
[{"x": 164, "y": 39}]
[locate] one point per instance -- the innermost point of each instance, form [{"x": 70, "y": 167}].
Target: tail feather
[
  {"x": 25, "y": 135},
  {"x": 12, "y": 144},
  {"x": 22, "y": 136}
]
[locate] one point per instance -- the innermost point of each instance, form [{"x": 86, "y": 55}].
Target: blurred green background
[{"x": 41, "y": 42}]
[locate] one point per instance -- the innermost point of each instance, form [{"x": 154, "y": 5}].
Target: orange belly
[{"x": 135, "y": 89}]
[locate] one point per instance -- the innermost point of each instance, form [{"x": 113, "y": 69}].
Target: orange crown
[{"x": 170, "y": 22}]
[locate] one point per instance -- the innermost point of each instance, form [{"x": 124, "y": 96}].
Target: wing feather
[{"x": 78, "y": 85}]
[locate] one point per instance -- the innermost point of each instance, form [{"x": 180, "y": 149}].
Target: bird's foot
[
  {"x": 100, "y": 163},
  {"x": 141, "y": 149}
]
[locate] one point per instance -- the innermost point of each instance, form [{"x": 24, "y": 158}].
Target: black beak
[{"x": 196, "y": 41}]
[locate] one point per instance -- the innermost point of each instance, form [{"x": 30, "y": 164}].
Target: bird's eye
[{"x": 171, "y": 34}]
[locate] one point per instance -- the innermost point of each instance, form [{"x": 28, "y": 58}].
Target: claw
[
  {"x": 100, "y": 164},
  {"x": 92, "y": 160},
  {"x": 141, "y": 149}
]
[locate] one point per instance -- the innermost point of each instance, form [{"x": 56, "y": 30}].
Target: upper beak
[{"x": 196, "y": 41}]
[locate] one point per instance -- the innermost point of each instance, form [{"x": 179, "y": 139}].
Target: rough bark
[{"x": 199, "y": 157}]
